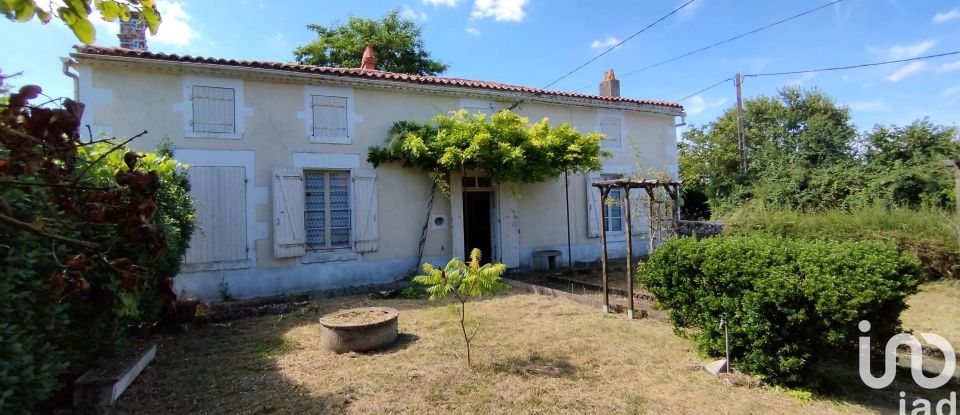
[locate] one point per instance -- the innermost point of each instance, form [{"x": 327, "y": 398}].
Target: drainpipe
[
  {"x": 67, "y": 63},
  {"x": 683, "y": 121}
]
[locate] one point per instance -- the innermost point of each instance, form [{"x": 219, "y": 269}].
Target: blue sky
[{"x": 533, "y": 42}]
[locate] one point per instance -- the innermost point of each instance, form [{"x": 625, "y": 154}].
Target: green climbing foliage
[{"x": 505, "y": 145}]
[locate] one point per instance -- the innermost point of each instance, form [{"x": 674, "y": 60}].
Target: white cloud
[
  {"x": 175, "y": 29},
  {"x": 690, "y": 11},
  {"x": 697, "y": 104},
  {"x": 473, "y": 31},
  {"x": 948, "y": 15},
  {"x": 603, "y": 44},
  {"x": 907, "y": 70},
  {"x": 948, "y": 67},
  {"x": 448, "y": 3},
  {"x": 905, "y": 51},
  {"x": 500, "y": 10},
  {"x": 802, "y": 80},
  {"x": 278, "y": 40},
  {"x": 951, "y": 91},
  {"x": 410, "y": 14}
]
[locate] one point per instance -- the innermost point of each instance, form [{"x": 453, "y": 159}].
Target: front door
[{"x": 477, "y": 229}]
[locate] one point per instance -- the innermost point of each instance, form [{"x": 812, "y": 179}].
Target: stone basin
[{"x": 359, "y": 329}]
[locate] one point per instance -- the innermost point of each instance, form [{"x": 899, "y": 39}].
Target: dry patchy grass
[
  {"x": 936, "y": 309},
  {"x": 533, "y": 355}
]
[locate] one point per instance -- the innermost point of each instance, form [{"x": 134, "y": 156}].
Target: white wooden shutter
[
  {"x": 610, "y": 127},
  {"x": 219, "y": 195},
  {"x": 366, "y": 232},
  {"x": 289, "y": 234},
  {"x": 593, "y": 206},
  {"x": 232, "y": 214},
  {"x": 329, "y": 116},
  {"x": 214, "y": 109},
  {"x": 202, "y": 243}
]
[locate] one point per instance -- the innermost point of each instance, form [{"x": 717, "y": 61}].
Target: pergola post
[
  {"x": 605, "y": 186},
  {"x": 626, "y": 204},
  {"x": 604, "y": 191},
  {"x": 674, "y": 192},
  {"x": 650, "y": 229}
]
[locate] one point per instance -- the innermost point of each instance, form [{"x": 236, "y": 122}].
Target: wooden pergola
[{"x": 649, "y": 186}]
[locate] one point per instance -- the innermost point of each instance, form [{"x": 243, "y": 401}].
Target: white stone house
[{"x": 286, "y": 200}]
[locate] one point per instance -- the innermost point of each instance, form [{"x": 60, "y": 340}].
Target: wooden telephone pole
[
  {"x": 741, "y": 139},
  {"x": 955, "y": 166}
]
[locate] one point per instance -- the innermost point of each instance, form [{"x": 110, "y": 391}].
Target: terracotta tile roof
[{"x": 359, "y": 73}]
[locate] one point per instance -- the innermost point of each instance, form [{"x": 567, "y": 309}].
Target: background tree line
[{"x": 805, "y": 153}]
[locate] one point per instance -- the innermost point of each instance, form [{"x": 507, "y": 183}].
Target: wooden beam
[
  {"x": 603, "y": 247},
  {"x": 626, "y": 203}
]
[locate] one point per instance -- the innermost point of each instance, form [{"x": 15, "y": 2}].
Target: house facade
[{"x": 286, "y": 201}]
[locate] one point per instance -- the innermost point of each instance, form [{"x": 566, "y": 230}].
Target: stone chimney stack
[
  {"x": 610, "y": 87},
  {"x": 133, "y": 33},
  {"x": 369, "y": 62}
]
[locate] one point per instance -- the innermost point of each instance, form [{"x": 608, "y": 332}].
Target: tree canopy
[
  {"x": 396, "y": 41},
  {"x": 506, "y": 146},
  {"x": 804, "y": 152},
  {"x": 75, "y": 13}
]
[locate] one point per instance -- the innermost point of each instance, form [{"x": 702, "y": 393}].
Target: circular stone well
[{"x": 359, "y": 329}]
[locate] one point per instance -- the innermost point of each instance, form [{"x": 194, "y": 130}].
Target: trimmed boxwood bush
[{"x": 788, "y": 302}]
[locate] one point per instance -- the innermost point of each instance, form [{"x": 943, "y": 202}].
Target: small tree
[{"x": 463, "y": 281}]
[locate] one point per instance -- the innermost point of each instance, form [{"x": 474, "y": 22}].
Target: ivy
[{"x": 505, "y": 145}]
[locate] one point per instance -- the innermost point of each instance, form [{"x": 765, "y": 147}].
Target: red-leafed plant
[{"x": 78, "y": 251}]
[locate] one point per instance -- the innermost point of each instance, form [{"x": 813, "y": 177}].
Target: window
[
  {"x": 611, "y": 127},
  {"x": 614, "y": 212},
  {"x": 214, "y": 110},
  {"x": 327, "y": 209},
  {"x": 329, "y": 116}
]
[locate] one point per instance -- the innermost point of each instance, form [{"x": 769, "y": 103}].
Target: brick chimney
[
  {"x": 610, "y": 87},
  {"x": 133, "y": 33},
  {"x": 369, "y": 62}
]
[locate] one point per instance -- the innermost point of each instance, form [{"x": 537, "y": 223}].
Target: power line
[
  {"x": 703, "y": 90},
  {"x": 725, "y": 40},
  {"x": 621, "y": 42},
  {"x": 863, "y": 65}
]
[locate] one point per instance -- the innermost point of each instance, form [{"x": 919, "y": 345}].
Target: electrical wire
[
  {"x": 863, "y": 65},
  {"x": 674, "y": 11},
  {"x": 759, "y": 29},
  {"x": 622, "y": 42},
  {"x": 703, "y": 90}
]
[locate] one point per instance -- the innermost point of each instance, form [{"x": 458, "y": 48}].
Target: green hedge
[
  {"x": 45, "y": 338},
  {"x": 788, "y": 302},
  {"x": 928, "y": 233}
]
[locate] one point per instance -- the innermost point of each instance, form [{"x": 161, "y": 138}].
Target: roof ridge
[{"x": 360, "y": 73}]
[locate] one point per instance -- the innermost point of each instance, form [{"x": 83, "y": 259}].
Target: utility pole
[
  {"x": 742, "y": 141},
  {"x": 955, "y": 166}
]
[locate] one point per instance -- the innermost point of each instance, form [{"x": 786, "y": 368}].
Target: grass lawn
[
  {"x": 936, "y": 309},
  {"x": 534, "y": 355}
]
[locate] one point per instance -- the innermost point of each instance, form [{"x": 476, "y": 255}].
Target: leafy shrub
[
  {"x": 413, "y": 292},
  {"x": 788, "y": 302},
  {"x": 930, "y": 234},
  {"x": 89, "y": 234},
  {"x": 175, "y": 215}
]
